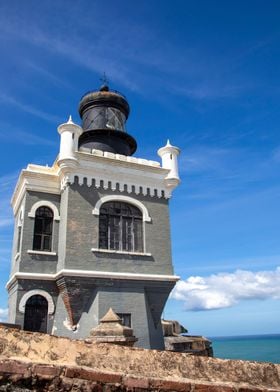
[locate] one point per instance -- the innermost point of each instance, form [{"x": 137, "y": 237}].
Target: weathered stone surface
[
  {"x": 135, "y": 382},
  {"x": 167, "y": 385},
  {"x": 89, "y": 374},
  {"x": 212, "y": 388},
  {"x": 111, "y": 330},
  {"x": 61, "y": 364}
]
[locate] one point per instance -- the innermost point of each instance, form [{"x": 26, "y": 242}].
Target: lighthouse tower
[{"x": 92, "y": 231}]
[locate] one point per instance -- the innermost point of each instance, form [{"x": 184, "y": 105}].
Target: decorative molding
[
  {"x": 129, "y": 176},
  {"x": 121, "y": 186},
  {"x": 41, "y": 252},
  {"x": 91, "y": 274},
  {"x": 35, "y": 178},
  {"x": 119, "y": 157},
  {"x": 126, "y": 199},
  {"x": 20, "y": 217},
  {"x": 30, "y": 294},
  {"x": 120, "y": 252},
  {"x": 44, "y": 203}
]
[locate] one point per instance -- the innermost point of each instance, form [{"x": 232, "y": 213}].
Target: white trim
[
  {"x": 35, "y": 178},
  {"x": 41, "y": 252},
  {"x": 20, "y": 217},
  {"x": 121, "y": 252},
  {"x": 92, "y": 274},
  {"x": 29, "y": 294},
  {"x": 43, "y": 203},
  {"x": 127, "y": 199},
  {"x": 18, "y": 238}
]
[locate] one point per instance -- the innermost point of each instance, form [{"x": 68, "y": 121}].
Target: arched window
[
  {"x": 43, "y": 226},
  {"x": 120, "y": 227},
  {"x": 36, "y": 314}
]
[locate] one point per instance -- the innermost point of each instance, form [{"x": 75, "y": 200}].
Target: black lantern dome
[{"x": 104, "y": 114}]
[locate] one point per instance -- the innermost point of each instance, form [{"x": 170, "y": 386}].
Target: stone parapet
[
  {"x": 34, "y": 361},
  {"x": 23, "y": 376}
]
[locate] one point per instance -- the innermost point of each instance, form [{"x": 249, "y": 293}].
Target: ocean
[{"x": 264, "y": 348}]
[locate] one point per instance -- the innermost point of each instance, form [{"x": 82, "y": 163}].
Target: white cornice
[
  {"x": 112, "y": 169},
  {"x": 35, "y": 178},
  {"x": 137, "y": 176},
  {"x": 91, "y": 274}
]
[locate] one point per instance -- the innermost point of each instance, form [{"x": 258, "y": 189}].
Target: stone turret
[
  {"x": 169, "y": 154},
  {"x": 69, "y": 135}
]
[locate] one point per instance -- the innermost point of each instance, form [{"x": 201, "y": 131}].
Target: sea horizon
[
  {"x": 239, "y": 336},
  {"x": 260, "y": 348}
]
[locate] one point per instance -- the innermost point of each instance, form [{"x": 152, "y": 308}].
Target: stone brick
[
  {"x": 92, "y": 375},
  {"x": 133, "y": 382},
  {"x": 166, "y": 385},
  {"x": 212, "y": 388},
  {"x": 66, "y": 383},
  {"x": 46, "y": 371},
  {"x": 253, "y": 389},
  {"x": 13, "y": 367}
]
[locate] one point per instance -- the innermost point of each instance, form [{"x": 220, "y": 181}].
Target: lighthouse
[{"x": 92, "y": 232}]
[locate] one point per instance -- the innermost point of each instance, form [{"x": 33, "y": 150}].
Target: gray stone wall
[
  {"x": 37, "y": 263},
  {"x": 12, "y": 301},
  {"x": 14, "y": 257},
  {"x": 62, "y": 229},
  {"x": 90, "y": 299},
  {"x": 24, "y": 286},
  {"x": 74, "y": 236},
  {"x": 82, "y": 235}
]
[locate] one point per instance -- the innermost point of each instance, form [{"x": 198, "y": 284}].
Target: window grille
[
  {"x": 43, "y": 228},
  {"x": 120, "y": 227},
  {"x": 125, "y": 319}
]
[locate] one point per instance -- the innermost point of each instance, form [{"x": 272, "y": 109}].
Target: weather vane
[{"x": 104, "y": 79}]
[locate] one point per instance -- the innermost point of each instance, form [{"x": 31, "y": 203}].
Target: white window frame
[
  {"x": 130, "y": 200},
  {"x": 56, "y": 217},
  {"x": 126, "y": 199},
  {"x": 44, "y": 203}
]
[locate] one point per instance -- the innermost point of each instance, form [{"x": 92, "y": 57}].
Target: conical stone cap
[
  {"x": 110, "y": 317},
  {"x": 111, "y": 330}
]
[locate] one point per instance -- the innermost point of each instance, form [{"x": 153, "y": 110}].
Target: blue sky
[{"x": 204, "y": 74}]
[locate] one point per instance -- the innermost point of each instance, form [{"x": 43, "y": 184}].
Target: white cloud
[
  {"x": 3, "y": 315},
  {"x": 223, "y": 290}
]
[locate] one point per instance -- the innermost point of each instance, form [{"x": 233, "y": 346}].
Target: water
[{"x": 264, "y": 348}]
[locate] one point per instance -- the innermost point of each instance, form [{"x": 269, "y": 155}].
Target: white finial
[
  {"x": 70, "y": 120},
  {"x": 168, "y": 143}
]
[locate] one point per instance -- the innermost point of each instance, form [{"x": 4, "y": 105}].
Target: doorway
[{"x": 36, "y": 314}]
